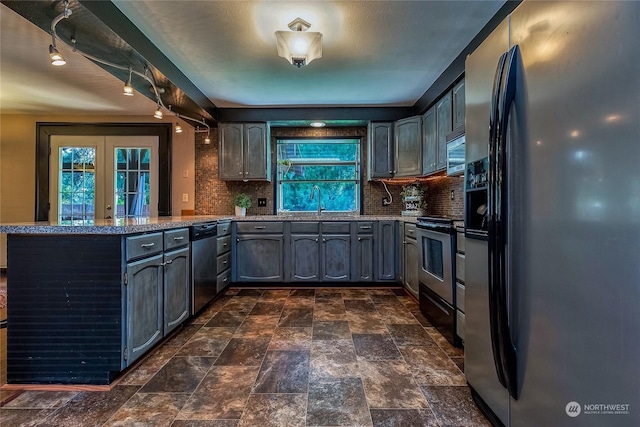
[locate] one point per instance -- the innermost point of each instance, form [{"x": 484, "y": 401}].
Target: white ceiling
[{"x": 375, "y": 53}]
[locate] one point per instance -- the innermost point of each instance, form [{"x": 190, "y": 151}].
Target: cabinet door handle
[
  {"x": 224, "y": 280},
  {"x": 168, "y": 262},
  {"x": 365, "y": 227},
  {"x": 316, "y": 239},
  {"x": 324, "y": 240},
  {"x": 147, "y": 245},
  {"x": 246, "y": 173},
  {"x": 259, "y": 227},
  {"x": 359, "y": 238},
  {"x": 240, "y": 173},
  {"x": 237, "y": 240},
  {"x": 178, "y": 238}
]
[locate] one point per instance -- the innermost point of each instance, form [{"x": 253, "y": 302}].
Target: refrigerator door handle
[
  {"x": 507, "y": 347},
  {"x": 494, "y": 120}
]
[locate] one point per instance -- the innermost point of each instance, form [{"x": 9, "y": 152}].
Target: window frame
[{"x": 358, "y": 141}]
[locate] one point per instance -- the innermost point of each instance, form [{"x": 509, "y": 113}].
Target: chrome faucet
[{"x": 313, "y": 190}]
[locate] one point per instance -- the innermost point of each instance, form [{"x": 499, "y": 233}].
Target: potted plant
[{"x": 241, "y": 202}]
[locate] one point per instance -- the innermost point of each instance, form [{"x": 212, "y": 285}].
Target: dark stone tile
[
  {"x": 284, "y": 372},
  {"x": 243, "y": 352},
  {"x": 328, "y": 294},
  {"x": 207, "y": 342},
  {"x": 302, "y": 293},
  {"x": 257, "y": 327},
  {"x": 390, "y": 384},
  {"x": 329, "y": 312},
  {"x": 366, "y": 323},
  {"x": 271, "y": 308},
  {"x": 90, "y": 408},
  {"x": 291, "y": 339},
  {"x": 179, "y": 375},
  {"x": 211, "y": 309},
  {"x": 459, "y": 361},
  {"x": 275, "y": 410},
  {"x": 375, "y": 347},
  {"x": 410, "y": 304},
  {"x": 337, "y": 402},
  {"x": 225, "y": 319},
  {"x": 150, "y": 366},
  {"x": 359, "y": 306},
  {"x": 387, "y": 299},
  {"x": 414, "y": 334},
  {"x": 240, "y": 304},
  {"x": 296, "y": 317},
  {"x": 249, "y": 293},
  {"x": 152, "y": 409},
  {"x": 396, "y": 314},
  {"x": 337, "y": 330},
  {"x": 453, "y": 406},
  {"x": 400, "y": 292},
  {"x": 431, "y": 366},
  {"x": 362, "y": 294},
  {"x": 380, "y": 291},
  {"x": 333, "y": 359},
  {"x": 25, "y": 417},
  {"x": 222, "y": 394},
  {"x": 183, "y": 335},
  {"x": 205, "y": 423},
  {"x": 421, "y": 319},
  {"x": 32, "y": 399},
  {"x": 300, "y": 302},
  {"x": 274, "y": 295},
  {"x": 445, "y": 345},
  {"x": 403, "y": 417}
]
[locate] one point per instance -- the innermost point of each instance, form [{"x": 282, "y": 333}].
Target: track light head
[
  {"x": 178, "y": 128},
  {"x": 158, "y": 113},
  {"x": 128, "y": 89},
  {"x": 56, "y": 57},
  {"x": 207, "y": 140}
]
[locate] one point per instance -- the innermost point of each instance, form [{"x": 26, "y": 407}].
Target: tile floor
[{"x": 280, "y": 357}]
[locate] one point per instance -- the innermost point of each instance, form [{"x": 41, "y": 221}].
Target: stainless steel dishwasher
[{"x": 203, "y": 264}]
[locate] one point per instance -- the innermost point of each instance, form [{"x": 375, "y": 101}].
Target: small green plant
[{"x": 242, "y": 200}]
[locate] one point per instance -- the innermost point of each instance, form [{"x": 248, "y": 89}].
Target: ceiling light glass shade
[
  {"x": 299, "y": 46},
  {"x": 178, "y": 128},
  {"x": 207, "y": 140},
  {"x": 158, "y": 113},
  {"x": 56, "y": 57},
  {"x": 317, "y": 124}
]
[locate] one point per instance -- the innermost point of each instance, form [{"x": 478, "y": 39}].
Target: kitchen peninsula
[{"x": 79, "y": 313}]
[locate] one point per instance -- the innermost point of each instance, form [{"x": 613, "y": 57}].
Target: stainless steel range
[{"x": 437, "y": 247}]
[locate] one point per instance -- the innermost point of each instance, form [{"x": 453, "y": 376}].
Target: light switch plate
[{"x": 185, "y": 197}]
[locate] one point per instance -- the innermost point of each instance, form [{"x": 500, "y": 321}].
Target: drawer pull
[
  {"x": 365, "y": 227},
  {"x": 359, "y": 239},
  {"x": 225, "y": 262},
  {"x": 147, "y": 245},
  {"x": 226, "y": 244},
  {"x": 259, "y": 227},
  {"x": 178, "y": 238}
]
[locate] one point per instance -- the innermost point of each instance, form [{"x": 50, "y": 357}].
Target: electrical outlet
[
  {"x": 262, "y": 202},
  {"x": 185, "y": 197},
  {"x": 452, "y": 196},
  {"x": 384, "y": 201}
]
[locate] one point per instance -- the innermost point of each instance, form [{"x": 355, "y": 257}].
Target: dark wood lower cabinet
[{"x": 259, "y": 258}]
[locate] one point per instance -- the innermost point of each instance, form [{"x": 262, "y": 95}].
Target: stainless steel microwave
[{"x": 456, "y": 155}]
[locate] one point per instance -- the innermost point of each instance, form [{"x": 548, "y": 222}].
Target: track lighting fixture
[
  {"x": 178, "y": 128},
  {"x": 207, "y": 140},
  {"x": 128, "y": 89},
  {"x": 158, "y": 114},
  {"x": 56, "y": 57}
]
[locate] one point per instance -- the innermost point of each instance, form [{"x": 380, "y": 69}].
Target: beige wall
[{"x": 17, "y": 164}]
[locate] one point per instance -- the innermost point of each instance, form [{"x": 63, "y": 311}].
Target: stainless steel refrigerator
[{"x": 552, "y": 215}]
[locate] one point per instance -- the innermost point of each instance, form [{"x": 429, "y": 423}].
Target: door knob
[{"x": 108, "y": 207}]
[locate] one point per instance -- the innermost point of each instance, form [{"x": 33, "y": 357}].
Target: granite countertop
[{"x": 140, "y": 225}]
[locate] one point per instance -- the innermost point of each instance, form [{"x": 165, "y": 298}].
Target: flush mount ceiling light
[
  {"x": 56, "y": 57},
  {"x": 299, "y": 46},
  {"x": 317, "y": 124}
]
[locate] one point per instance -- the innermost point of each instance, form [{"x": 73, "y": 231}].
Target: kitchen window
[{"x": 331, "y": 164}]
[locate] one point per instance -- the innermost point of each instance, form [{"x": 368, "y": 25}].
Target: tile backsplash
[{"x": 213, "y": 196}]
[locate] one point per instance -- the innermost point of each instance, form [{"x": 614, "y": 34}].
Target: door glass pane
[
  {"x": 76, "y": 184},
  {"x": 132, "y": 181},
  {"x": 432, "y": 262}
]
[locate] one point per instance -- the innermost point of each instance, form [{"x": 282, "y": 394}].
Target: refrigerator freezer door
[{"x": 577, "y": 307}]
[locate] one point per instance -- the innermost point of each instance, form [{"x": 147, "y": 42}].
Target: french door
[{"x": 93, "y": 177}]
